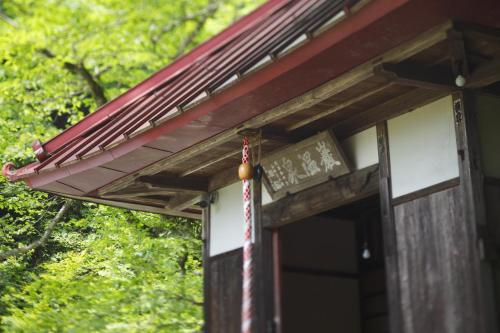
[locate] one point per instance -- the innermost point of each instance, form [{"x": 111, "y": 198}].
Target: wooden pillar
[
  {"x": 472, "y": 186},
  {"x": 263, "y": 269},
  {"x": 205, "y": 236},
  {"x": 389, "y": 231}
]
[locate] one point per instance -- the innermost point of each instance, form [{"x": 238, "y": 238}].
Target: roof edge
[{"x": 168, "y": 72}]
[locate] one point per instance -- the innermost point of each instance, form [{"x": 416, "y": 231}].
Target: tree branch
[
  {"x": 80, "y": 69},
  {"x": 50, "y": 228},
  {"x": 95, "y": 88},
  {"x": 8, "y": 20}
]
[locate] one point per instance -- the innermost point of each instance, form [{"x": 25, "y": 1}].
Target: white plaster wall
[
  {"x": 226, "y": 220},
  {"x": 361, "y": 148},
  {"x": 422, "y": 147},
  {"x": 488, "y": 108}
]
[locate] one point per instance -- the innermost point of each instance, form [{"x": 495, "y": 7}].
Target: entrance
[{"x": 325, "y": 283}]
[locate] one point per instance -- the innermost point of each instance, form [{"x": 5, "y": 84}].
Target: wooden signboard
[{"x": 304, "y": 164}]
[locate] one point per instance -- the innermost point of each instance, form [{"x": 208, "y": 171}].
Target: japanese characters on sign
[{"x": 304, "y": 164}]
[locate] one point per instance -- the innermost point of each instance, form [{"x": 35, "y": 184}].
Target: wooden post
[
  {"x": 389, "y": 231},
  {"x": 263, "y": 274},
  {"x": 277, "y": 318},
  {"x": 205, "y": 236},
  {"x": 472, "y": 179}
]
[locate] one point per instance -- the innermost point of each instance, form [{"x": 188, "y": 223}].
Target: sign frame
[{"x": 312, "y": 161}]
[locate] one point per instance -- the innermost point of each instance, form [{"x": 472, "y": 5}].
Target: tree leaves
[
  {"x": 102, "y": 269},
  {"x": 122, "y": 278}
]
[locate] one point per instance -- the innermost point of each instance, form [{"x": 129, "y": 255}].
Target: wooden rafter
[
  {"x": 338, "y": 107},
  {"x": 391, "y": 108},
  {"x": 139, "y": 193},
  {"x": 191, "y": 185},
  {"x": 139, "y": 205},
  {"x": 411, "y": 74}
]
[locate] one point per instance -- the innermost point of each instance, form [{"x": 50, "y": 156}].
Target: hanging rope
[{"x": 245, "y": 173}]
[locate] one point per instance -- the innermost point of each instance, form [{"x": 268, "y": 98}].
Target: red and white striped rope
[{"x": 246, "y": 306}]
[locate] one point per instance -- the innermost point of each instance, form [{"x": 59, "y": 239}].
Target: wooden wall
[
  {"x": 224, "y": 293},
  {"x": 492, "y": 198},
  {"x": 437, "y": 278},
  {"x": 434, "y": 257}
]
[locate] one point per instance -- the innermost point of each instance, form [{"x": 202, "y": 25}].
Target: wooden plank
[
  {"x": 297, "y": 104},
  {"x": 438, "y": 274},
  {"x": 388, "y": 230},
  {"x": 426, "y": 191},
  {"x": 357, "y": 185},
  {"x": 224, "y": 293}
]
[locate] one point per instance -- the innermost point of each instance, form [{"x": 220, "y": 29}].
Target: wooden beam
[
  {"x": 183, "y": 201},
  {"x": 386, "y": 110},
  {"x": 337, "y": 107},
  {"x": 138, "y": 192},
  {"x": 223, "y": 178},
  {"x": 458, "y": 54},
  {"x": 193, "y": 185},
  {"x": 485, "y": 75},
  {"x": 327, "y": 90},
  {"x": 140, "y": 206},
  {"x": 411, "y": 74},
  {"x": 477, "y": 31},
  {"x": 208, "y": 163},
  {"x": 334, "y": 193}
]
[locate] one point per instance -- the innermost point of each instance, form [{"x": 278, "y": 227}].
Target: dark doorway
[{"x": 326, "y": 284}]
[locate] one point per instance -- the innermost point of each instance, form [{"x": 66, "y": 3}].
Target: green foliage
[
  {"x": 121, "y": 279},
  {"x": 103, "y": 269}
]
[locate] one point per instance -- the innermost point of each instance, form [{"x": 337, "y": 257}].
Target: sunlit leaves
[{"x": 103, "y": 269}]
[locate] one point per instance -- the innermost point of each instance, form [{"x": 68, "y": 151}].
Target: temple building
[{"x": 373, "y": 131}]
